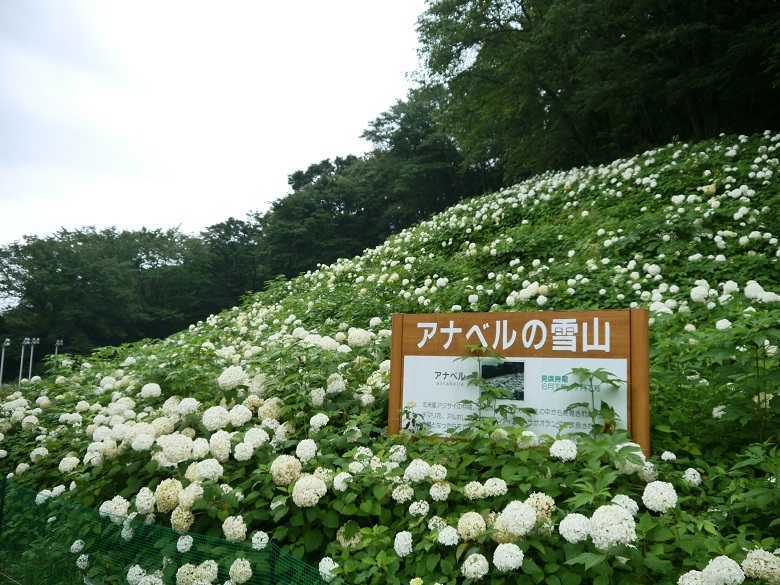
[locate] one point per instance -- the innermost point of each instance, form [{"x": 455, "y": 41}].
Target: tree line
[
  {"x": 505, "y": 89},
  {"x": 96, "y": 288}
]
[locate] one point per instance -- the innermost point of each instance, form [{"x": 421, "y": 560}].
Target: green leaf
[
  {"x": 658, "y": 565},
  {"x": 587, "y": 559},
  {"x": 461, "y": 549},
  {"x": 379, "y": 491},
  {"x": 447, "y": 566},
  {"x": 662, "y": 534},
  {"x": 330, "y": 519},
  {"x": 530, "y": 567},
  {"x": 570, "y": 579},
  {"x": 432, "y": 561},
  {"x": 312, "y": 539}
]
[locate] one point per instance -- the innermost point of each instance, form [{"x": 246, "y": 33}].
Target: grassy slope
[{"x": 638, "y": 232}]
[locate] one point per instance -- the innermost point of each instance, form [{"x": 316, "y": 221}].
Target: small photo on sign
[{"x": 506, "y": 375}]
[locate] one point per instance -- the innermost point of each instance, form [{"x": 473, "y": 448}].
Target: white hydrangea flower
[
  {"x": 189, "y": 495},
  {"x": 437, "y": 472},
  {"x": 403, "y": 543},
  {"x": 219, "y": 445},
  {"x": 397, "y": 453},
  {"x": 612, "y": 525},
  {"x": 285, "y": 469},
  {"x": 495, "y": 486},
  {"x": 176, "y": 448},
  {"x": 627, "y": 466},
  {"x": 306, "y": 450},
  {"x": 327, "y": 565},
  {"x": 474, "y": 490},
  {"x": 239, "y": 415},
  {"x": 308, "y": 490},
  {"x": 692, "y": 578},
  {"x": 216, "y": 417},
  {"x": 417, "y": 470},
  {"x": 402, "y": 493},
  {"x": 259, "y": 540},
  {"x": 243, "y": 452},
  {"x": 627, "y": 503},
  {"x": 723, "y": 571},
  {"x": 762, "y": 564},
  {"x": 692, "y": 476},
  {"x": 345, "y": 542},
  {"x": 359, "y": 338},
  {"x": 542, "y": 504},
  {"x": 668, "y": 456},
  {"x": 507, "y": 557},
  {"x": 234, "y": 529},
  {"x": 208, "y": 469},
  {"x": 440, "y": 491},
  {"x": 339, "y": 482},
  {"x": 116, "y": 509},
  {"x": 206, "y": 572},
  {"x": 448, "y": 536},
  {"x": 317, "y": 397},
  {"x": 256, "y": 437},
  {"x": 233, "y": 376},
  {"x": 68, "y": 464},
  {"x": 564, "y": 449},
  {"x": 184, "y": 544},
  {"x": 659, "y": 496},
  {"x": 187, "y": 406},
  {"x": 181, "y": 519},
  {"x": 151, "y": 390},
  {"x": 318, "y": 421},
  {"x": 471, "y": 525},
  {"x": 475, "y": 566},
  {"x": 135, "y": 574},
  {"x": 77, "y": 546},
  {"x": 575, "y": 528},
  {"x": 240, "y": 571},
  {"x": 419, "y": 508},
  {"x": 518, "y": 518}
]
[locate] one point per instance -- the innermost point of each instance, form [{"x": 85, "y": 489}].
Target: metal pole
[
  {"x": 57, "y": 345},
  {"x": 35, "y": 341},
  {"x": 25, "y": 341},
  {"x": 6, "y": 343}
]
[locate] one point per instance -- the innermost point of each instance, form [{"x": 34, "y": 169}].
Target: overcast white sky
[{"x": 166, "y": 113}]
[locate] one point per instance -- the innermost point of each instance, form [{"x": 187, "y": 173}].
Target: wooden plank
[{"x": 639, "y": 380}]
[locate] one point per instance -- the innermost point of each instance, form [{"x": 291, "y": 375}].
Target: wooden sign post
[{"x": 539, "y": 351}]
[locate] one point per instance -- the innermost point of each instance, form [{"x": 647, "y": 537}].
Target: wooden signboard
[{"x": 539, "y": 351}]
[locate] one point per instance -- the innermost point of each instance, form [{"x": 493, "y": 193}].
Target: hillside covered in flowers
[{"x": 269, "y": 420}]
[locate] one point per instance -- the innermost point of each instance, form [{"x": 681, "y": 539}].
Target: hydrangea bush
[{"x": 269, "y": 419}]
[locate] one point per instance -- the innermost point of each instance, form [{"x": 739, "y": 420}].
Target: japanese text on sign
[{"x": 563, "y": 335}]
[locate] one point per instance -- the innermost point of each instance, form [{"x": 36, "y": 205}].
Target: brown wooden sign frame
[{"x": 622, "y": 334}]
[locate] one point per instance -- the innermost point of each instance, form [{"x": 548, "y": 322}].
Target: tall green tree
[
  {"x": 338, "y": 208},
  {"x": 235, "y": 265},
  {"x": 540, "y": 84},
  {"x": 96, "y": 288}
]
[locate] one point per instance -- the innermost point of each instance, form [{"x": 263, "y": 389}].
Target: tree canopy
[{"x": 540, "y": 84}]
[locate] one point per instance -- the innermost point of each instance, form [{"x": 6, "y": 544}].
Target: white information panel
[{"x": 436, "y": 386}]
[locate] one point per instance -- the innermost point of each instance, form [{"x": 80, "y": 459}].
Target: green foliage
[
  {"x": 686, "y": 231},
  {"x": 592, "y": 381},
  {"x": 553, "y": 84}
]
